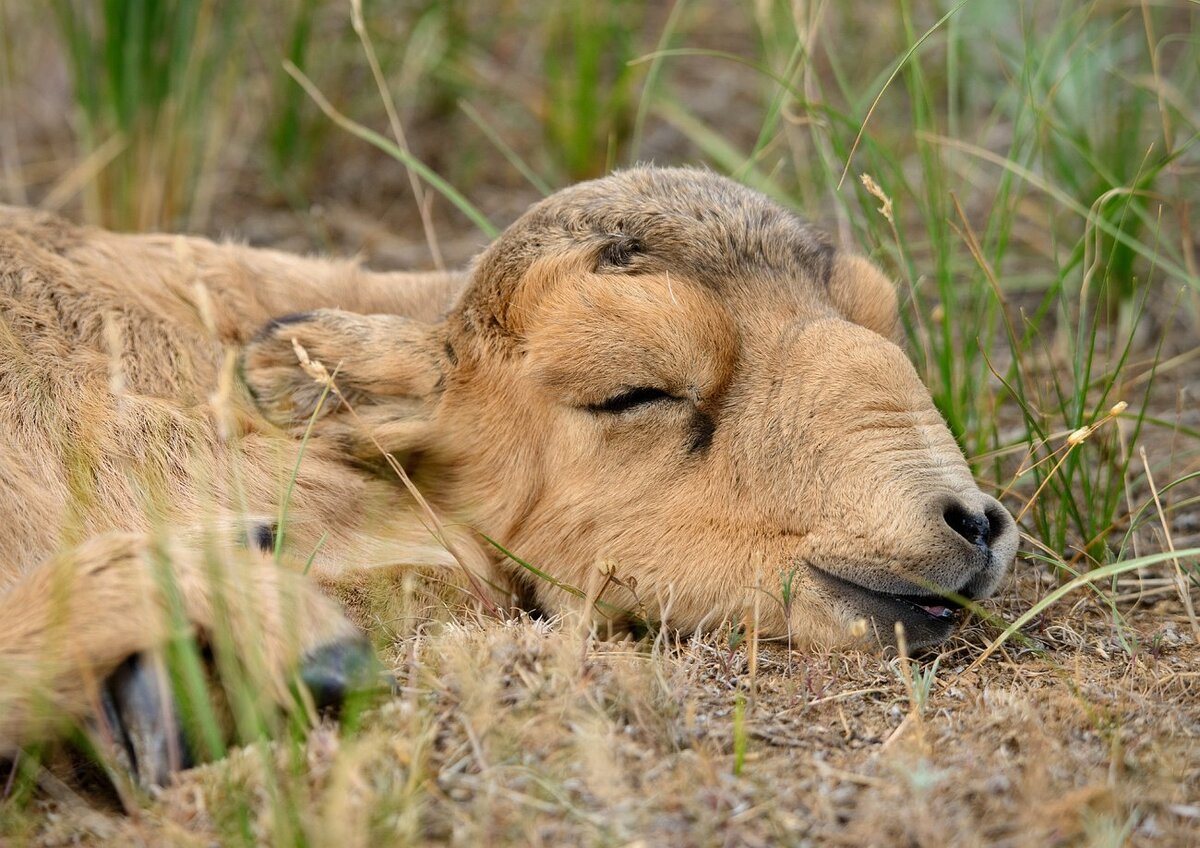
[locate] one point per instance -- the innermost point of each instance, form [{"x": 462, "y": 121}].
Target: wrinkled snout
[{"x": 896, "y": 522}]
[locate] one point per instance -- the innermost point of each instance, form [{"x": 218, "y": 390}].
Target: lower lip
[{"x": 926, "y": 623}]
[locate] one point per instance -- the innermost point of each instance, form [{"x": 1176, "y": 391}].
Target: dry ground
[{"x": 525, "y": 732}]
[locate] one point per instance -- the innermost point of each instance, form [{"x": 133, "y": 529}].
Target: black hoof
[
  {"x": 143, "y": 719},
  {"x": 141, "y": 725},
  {"x": 339, "y": 671}
]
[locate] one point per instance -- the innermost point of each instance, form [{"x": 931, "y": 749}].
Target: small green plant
[
  {"x": 741, "y": 738},
  {"x": 292, "y": 138},
  {"x": 787, "y": 581},
  {"x": 148, "y": 79},
  {"x": 589, "y": 109},
  {"x": 923, "y": 679}
]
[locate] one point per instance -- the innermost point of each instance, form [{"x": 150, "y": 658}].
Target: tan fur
[{"x": 796, "y": 445}]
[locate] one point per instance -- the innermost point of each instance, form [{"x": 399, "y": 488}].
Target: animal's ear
[
  {"x": 864, "y": 295},
  {"x": 387, "y": 372}
]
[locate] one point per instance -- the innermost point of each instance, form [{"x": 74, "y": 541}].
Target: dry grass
[{"x": 519, "y": 733}]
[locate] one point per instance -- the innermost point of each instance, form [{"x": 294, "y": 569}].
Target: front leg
[{"x": 82, "y": 635}]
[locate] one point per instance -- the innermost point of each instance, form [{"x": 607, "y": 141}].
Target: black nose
[{"x": 972, "y": 526}]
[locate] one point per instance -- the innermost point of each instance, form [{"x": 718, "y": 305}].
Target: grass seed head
[
  {"x": 1079, "y": 436},
  {"x": 875, "y": 191},
  {"x": 312, "y": 367}
]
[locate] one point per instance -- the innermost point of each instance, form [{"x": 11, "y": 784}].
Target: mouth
[
  {"x": 937, "y": 608},
  {"x": 927, "y": 618}
]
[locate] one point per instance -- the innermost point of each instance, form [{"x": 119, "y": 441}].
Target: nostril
[
  {"x": 975, "y": 528},
  {"x": 998, "y": 521}
]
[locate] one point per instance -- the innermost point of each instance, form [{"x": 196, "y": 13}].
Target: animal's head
[{"x": 665, "y": 371}]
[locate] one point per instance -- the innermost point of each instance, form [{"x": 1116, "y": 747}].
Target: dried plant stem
[
  {"x": 606, "y": 570},
  {"x": 84, "y": 174},
  {"x": 320, "y": 374},
  {"x": 371, "y": 137},
  {"x": 914, "y": 703},
  {"x": 1074, "y": 440},
  {"x": 1180, "y": 580},
  {"x": 389, "y": 105},
  {"x": 887, "y": 84}
]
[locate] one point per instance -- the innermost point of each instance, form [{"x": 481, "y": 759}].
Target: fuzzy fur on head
[{"x": 664, "y": 370}]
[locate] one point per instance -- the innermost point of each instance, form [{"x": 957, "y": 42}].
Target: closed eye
[{"x": 630, "y": 399}]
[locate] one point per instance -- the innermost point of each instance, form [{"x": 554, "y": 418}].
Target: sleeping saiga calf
[{"x": 660, "y": 370}]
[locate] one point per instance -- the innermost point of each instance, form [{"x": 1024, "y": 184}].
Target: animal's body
[{"x": 660, "y": 370}]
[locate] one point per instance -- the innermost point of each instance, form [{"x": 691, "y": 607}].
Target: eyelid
[{"x": 631, "y": 398}]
